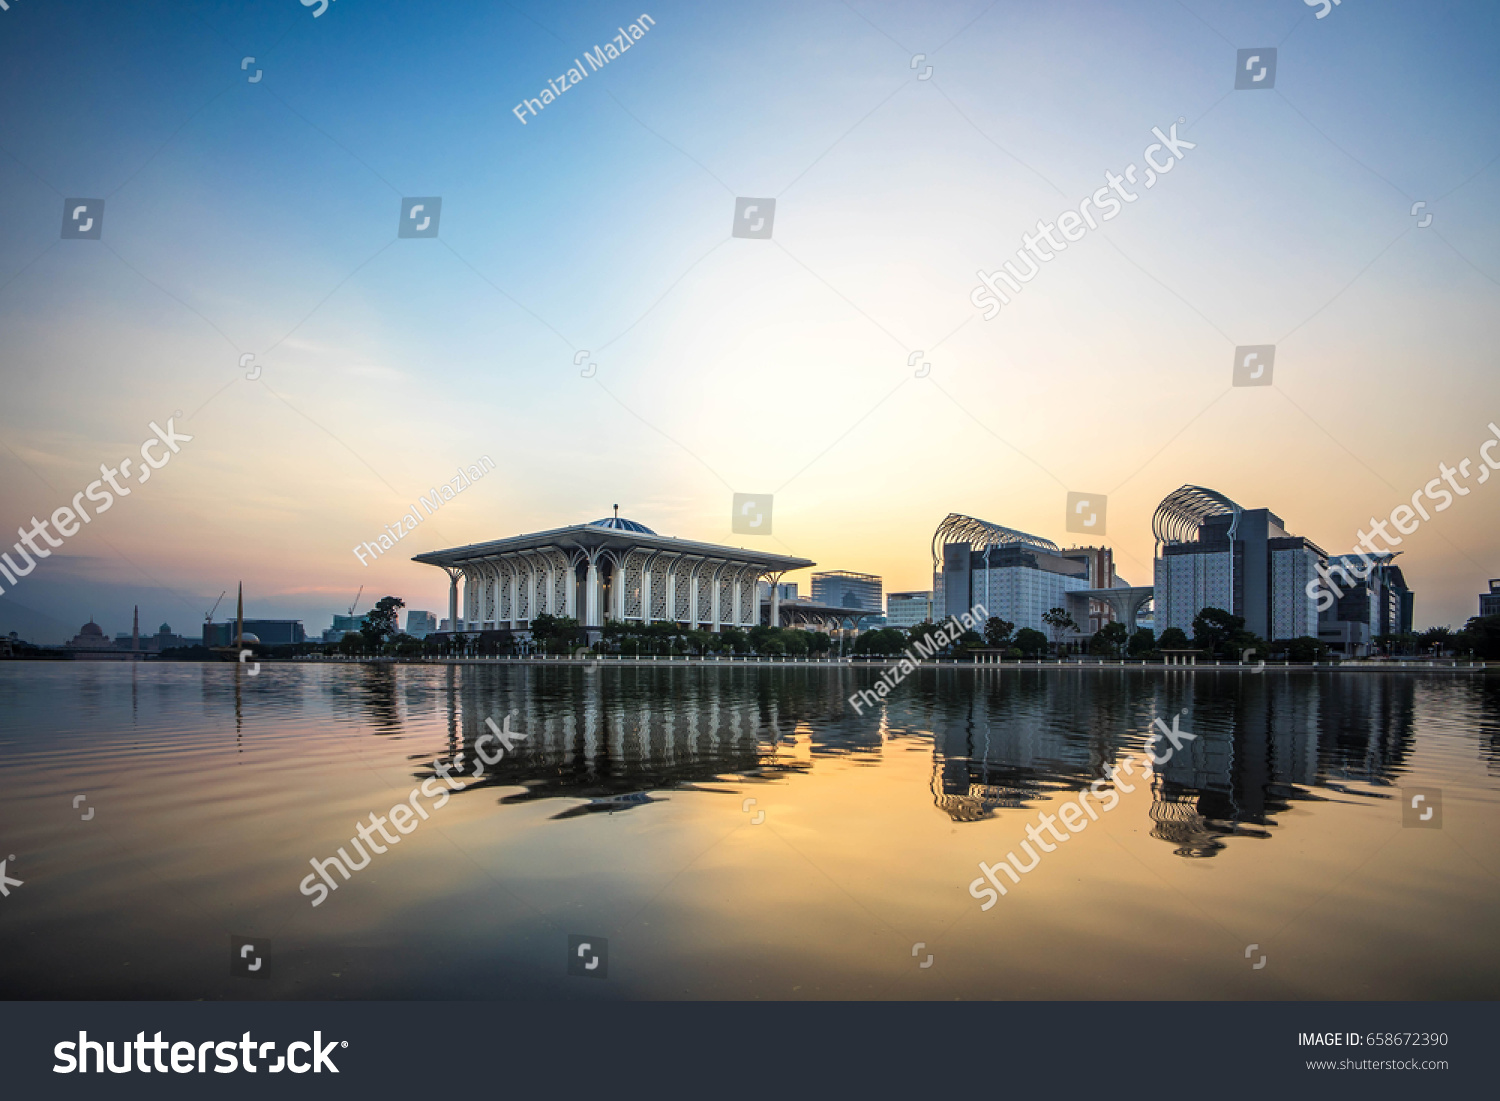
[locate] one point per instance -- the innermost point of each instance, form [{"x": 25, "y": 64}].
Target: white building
[
  {"x": 1212, "y": 553},
  {"x": 611, "y": 569},
  {"x": 1016, "y": 576},
  {"x": 906, "y": 610}
]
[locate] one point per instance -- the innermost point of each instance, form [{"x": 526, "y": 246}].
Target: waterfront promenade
[{"x": 1411, "y": 665}]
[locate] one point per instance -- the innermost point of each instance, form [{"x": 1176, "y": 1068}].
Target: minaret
[
  {"x": 135, "y": 629},
  {"x": 239, "y": 615}
]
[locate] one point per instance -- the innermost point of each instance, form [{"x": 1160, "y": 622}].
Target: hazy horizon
[{"x": 260, "y": 218}]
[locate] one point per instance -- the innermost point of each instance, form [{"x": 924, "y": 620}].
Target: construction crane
[
  {"x": 356, "y": 600},
  {"x": 209, "y": 618}
]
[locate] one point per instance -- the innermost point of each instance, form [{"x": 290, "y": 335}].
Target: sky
[{"x": 586, "y": 319}]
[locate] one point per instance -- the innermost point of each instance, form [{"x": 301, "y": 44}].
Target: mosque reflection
[{"x": 616, "y": 738}]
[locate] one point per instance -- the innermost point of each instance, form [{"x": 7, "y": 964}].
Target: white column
[
  {"x": 591, "y": 599},
  {"x": 773, "y": 578},
  {"x": 570, "y": 587},
  {"x": 452, "y": 600},
  {"x": 617, "y": 588},
  {"x": 530, "y": 591},
  {"x": 471, "y": 597},
  {"x": 692, "y": 616},
  {"x": 646, "y": 593},
  {"x": 515, "y": 593},
  {"x": 672, "y": 590},
  {"x": 715, "y": 616}
]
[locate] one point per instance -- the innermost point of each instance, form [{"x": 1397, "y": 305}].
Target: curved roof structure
[
  {"x": 980, "y": 534},
  {"x": 619, "y": 523},
  {"x": 1183, "y": 511}
]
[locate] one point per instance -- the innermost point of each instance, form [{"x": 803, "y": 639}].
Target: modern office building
[
  {"x": 1016, "y": 576},
  {"x": 420, "y": 624},
  {"x": 610, "y": 569},
  {"x": 1378, "y": 603},
  {"x": 842, "y": 589},
  {"x": 343, "y": 625},
  {"x": 1212, "y": 553},
  {"x": 269, "y": 632},
  {"x": 785, "y": 590},
  {"x": 908, "y": 609},
  {"x": 1489, "y": 603}
]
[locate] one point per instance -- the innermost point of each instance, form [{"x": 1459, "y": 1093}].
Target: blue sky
[{"x": 260, "y": 218}]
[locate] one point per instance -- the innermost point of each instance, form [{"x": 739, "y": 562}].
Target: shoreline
[{"x": 1445, "y": 666}]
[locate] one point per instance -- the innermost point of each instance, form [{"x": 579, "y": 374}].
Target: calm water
[{"x": 623, "y": 815}]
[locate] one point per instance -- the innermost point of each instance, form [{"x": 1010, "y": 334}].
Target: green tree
[
  {"x": 997, "y": 632},
  {"x": 1435, "y": 640},
  {"x": 1060, "y": 622},
  {"x": 1305, "y": 649},
  {"x": 1482, "y": 637},
  {"x": 381, "y": 622},
  {"x": 1031, "y": 642},
  {"x": 1109, "y": 640},
  {"x": 922, "y": 633},
  {"x": 1218, "y": 633},
  {"x": 1142, "y": 642},
  {"x": 1173, "y": 638}
]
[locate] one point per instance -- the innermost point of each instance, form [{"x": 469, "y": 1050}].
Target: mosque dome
[{"x": 619, "y": 523}]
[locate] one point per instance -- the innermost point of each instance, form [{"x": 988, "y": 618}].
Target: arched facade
[{"x": 611, "y": 569}]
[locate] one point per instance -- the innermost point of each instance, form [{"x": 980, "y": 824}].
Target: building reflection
[
  {"x": 1001, "y": 739},
  {"x": 1263, "y": 742},
  {"x": 615, "y": 736}
]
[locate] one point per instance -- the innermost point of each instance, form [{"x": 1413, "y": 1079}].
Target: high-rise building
[
  {"x": 1016, "y": 576},
  {"x": 842, "y": 589},
  {"x": 1212, "y": 553},
  {"x": 1372, "y": 600},
  {"x": 1489, "y": 603},
  {"x": 908, "y": 609},
  {"x": 420, "y": 624},
  {"x": 343, "y": 625}
]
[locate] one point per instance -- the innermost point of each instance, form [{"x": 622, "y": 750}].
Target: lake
[{"x": 742, "y": 833}]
